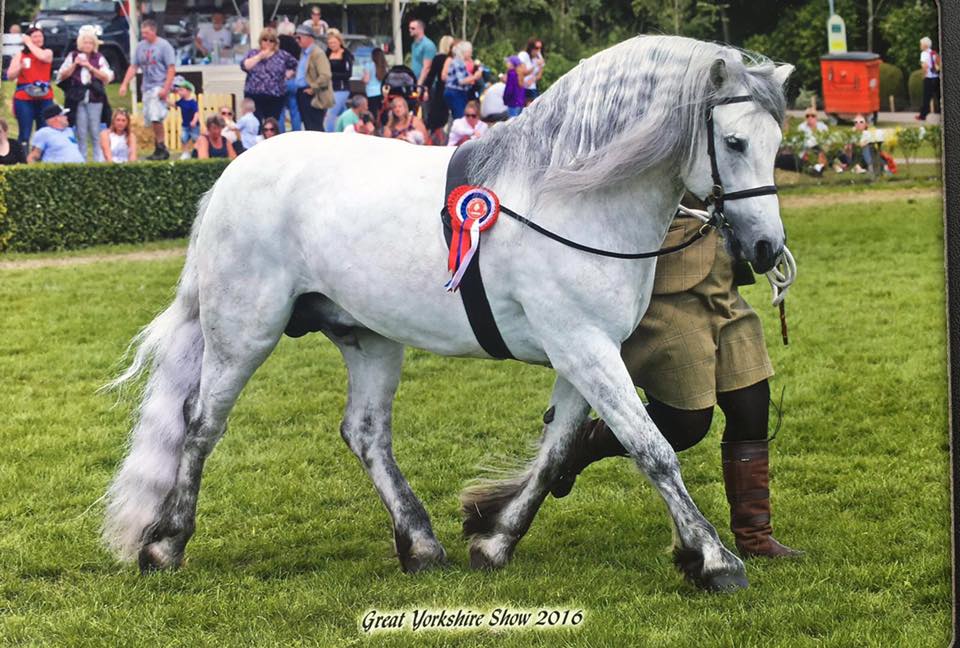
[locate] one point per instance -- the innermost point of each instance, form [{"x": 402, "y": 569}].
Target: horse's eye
[{"x": 734, "y": 143}]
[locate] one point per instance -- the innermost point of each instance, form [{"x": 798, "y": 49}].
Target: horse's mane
[{"x": 621, "y": 112}]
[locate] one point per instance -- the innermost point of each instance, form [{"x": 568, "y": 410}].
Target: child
[
  {"x": 189, "y": 114},
  {"x": 248, "y": 124}
]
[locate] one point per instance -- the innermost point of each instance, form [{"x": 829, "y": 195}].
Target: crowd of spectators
[
  {"x": 814, "y": 147},
  {"x": 298, "y": 77}
]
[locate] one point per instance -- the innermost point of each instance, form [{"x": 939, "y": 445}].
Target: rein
[
  {"x": 712, "y": 221},
  {"x": 714, "y": 200}
]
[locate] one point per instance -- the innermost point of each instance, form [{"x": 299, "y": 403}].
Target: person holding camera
[
  {"x": 366, "y": 126},
  {"x": 358, "y": 105},
  {"x": 31, "y": 69},
  {"x": 84, "y": 75}
]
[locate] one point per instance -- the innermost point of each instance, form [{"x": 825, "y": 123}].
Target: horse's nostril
[{"x": 763, "y": 256}]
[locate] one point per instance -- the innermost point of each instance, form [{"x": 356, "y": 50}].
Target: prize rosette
[{"x": 472, "y": 210}]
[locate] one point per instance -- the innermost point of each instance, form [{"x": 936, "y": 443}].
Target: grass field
[{"x": 293, "y": 546}]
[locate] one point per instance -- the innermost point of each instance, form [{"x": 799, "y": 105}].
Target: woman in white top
[
  {"x": 534, "y": 64},
  {"x": 85, "y": 73},
  {"x": 467, "y": 127},
  {"x": 118, "y": 143}
]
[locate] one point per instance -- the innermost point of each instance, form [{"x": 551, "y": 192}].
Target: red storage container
[{"x": 851, "y": 82}]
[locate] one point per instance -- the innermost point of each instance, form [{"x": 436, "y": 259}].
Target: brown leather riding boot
[{"x": 746, "y": 475}]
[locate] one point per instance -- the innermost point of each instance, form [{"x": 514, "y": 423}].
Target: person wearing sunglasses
[
  {"x": 467, "y": 127},
  {"x": 862, "y": 154},
  {"x": 267, "y": 72},
  {"x": 422, "y": 51},
  {"x": 271, "y": 128},
  {"x": 810, "y": 127},
  {"x": 315, "y": 23},
  {"x": 534, "y": 64}
]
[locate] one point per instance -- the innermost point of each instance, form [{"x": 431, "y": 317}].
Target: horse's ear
[
  {"x": 782, "y": 73},
  {"x": 718, "y": 73}
]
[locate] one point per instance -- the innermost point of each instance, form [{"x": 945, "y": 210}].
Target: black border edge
[{"x": 950, "y": 92}]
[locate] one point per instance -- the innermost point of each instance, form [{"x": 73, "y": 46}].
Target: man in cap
[
  {"x": 314, "y": 91},
  {"x": 55, "y": 142},
  {"x": 154, "y": 57}
]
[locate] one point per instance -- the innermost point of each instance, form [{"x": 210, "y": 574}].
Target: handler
[{"x": 700, "y": 344}]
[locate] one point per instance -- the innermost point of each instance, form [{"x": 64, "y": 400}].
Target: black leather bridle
[
  {"x": 717, "y": 196},
  {"x": 715, "y": 201}
]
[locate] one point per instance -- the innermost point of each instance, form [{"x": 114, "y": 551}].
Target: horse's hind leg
[
  {"x": 497, "y": 513},
  {"x": 231, "y": 354},
  {"x": 374, "y": 364}
]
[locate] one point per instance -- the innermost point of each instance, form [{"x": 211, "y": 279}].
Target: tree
[
  {"x": 800, "y": 38},
  {"x": 695, "y": 18},
  {"x": 903, "y": 27}
]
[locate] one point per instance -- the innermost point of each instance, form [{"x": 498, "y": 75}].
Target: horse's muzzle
[{"x": 764, "y": 257}]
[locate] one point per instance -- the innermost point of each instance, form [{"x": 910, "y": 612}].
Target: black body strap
[{"x": 471, "y": 289}]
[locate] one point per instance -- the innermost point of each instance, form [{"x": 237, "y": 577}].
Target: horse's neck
[{"x": 630, "y": 218}]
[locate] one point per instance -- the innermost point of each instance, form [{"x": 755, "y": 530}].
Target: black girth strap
[{"x": 472, "y": 293}]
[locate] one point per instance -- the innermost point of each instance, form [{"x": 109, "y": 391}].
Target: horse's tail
[{"x": 172, "y": 345}]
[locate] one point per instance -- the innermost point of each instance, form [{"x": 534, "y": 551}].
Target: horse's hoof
[
  {"x": 423, "y": 557},
  {"x": 562, "y": 486},
  {"x": 725, "y": 582},
  {"x": 727, "y": 575},
  {"x": 157, "y": 557},
  {"x": 490, "y": 553}
]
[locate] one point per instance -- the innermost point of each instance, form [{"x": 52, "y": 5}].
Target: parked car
[{"x": 61, "y": 20}]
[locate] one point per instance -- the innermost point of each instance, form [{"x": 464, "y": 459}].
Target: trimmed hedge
[
  {"x": 915, "y": 84},
  {"x": 66, "y": 206},
  {"x": 891, "y": 83}
]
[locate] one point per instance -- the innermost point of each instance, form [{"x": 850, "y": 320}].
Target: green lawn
[{"x": 293, "y": 545}]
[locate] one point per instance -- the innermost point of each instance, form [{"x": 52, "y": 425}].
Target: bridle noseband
[{"x": 717, "y": 195}]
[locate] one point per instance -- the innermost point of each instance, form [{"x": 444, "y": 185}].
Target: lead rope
[{"x": 781, "y": 276}]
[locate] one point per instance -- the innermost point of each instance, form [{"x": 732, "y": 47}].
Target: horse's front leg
[
  {"x": 497, "y": 513},
  {"x": 592, "y": 363}
]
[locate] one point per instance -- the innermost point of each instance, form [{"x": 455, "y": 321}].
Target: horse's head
[{"x": 736, "y": 172}]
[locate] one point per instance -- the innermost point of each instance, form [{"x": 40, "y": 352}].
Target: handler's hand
[{"x": 123, "y": 90}]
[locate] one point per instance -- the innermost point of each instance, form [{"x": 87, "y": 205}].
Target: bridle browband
[{"x": 717, "y": 195}]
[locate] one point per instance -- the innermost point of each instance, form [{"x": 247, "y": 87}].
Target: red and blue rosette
[{"x": 472, "y": 210}]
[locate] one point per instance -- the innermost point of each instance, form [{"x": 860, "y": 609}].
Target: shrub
[
  {"x": 916, "y": 89},
  {"x": 891, "y": 83},
  {"x": 909, "y": 141},
  {"x": 805, "y": 98},
  {"x": 65, "y": 206},
  {"x": 934, "y": 138}
]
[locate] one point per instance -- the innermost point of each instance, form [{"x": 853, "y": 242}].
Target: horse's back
[{"x": 344, "y": 217}]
